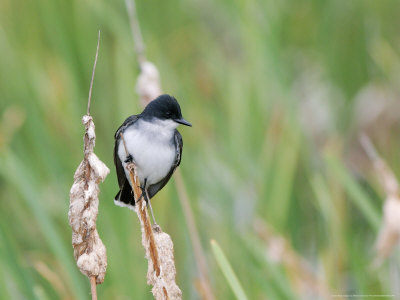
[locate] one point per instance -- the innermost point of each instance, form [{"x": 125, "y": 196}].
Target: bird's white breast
[{"x": 152, "y": 148}]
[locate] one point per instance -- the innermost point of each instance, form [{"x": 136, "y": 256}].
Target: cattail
[
  {"x": 148, "y": 83},
  {"x": 157, "y": 244},
  {"x": 148, "y": 87},
  {"x": 89, "y": 250}
]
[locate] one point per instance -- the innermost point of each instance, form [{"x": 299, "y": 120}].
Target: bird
[{"x": 152, "y": 142}]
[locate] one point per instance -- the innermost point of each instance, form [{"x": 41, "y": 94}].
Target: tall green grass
[{"x": 235, "y": 67}]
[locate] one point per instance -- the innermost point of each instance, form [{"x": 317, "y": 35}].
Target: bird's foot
[
  {"x": 142, "y": 194},
  {"x": 129, "y": 159},
  {"x": 140, "y": 198}
]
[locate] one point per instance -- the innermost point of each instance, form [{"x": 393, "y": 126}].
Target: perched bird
[{"x": 153, "y": 144}]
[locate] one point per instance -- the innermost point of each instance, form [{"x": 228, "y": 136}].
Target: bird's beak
[{"x": 183, "y": 122}]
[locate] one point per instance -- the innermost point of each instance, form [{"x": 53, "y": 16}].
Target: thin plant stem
[
  {"x": 94, "y": 69},
  {"x": 131, "y": 167},
  {"x": 157, "y": 244},
  {"x": 89, "y": 250},
  {"x": 93, "y": 287},
  {"x": 194, "y": 236},
  {"x": 369, "y": 147},
  {"x": 136, "y": 33}
]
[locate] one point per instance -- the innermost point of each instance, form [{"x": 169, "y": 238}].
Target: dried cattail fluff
[
  {"x": 148, "y": 84},
  {"x": 165, "y": 283},
  {"x": 159, "y": 250},
  {"x": 89, "y": 250}
]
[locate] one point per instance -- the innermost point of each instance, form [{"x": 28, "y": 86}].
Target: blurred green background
[{"x": 277, "y": 92}]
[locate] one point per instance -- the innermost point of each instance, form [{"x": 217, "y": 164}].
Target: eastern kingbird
[{"x": 153, "y": 144}]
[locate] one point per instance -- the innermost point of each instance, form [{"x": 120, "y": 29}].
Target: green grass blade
[
  {"x": 12, "y": 271},
  {"x": 228, "y": 272},
  {"x": 357, "y": 195}
]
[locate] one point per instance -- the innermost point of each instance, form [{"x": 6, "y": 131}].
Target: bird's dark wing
[
  {"x": 125, "y": 193},
  {"x": 129, "y": 121},
  {"x": 154, "y": 188}
]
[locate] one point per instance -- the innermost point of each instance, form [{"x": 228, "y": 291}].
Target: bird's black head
[{"x": 164, "y": 107}]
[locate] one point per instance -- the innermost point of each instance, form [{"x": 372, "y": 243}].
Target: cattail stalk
[
  {"x": 148, "y": 87},
  {"x": 89, "y": 250},
  {"x": 158, "y": 246}
]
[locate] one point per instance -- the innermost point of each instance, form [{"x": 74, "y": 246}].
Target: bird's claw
[{"x": 142, "y": 195}]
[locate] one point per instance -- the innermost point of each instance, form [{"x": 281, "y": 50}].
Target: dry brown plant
[
  {"x": 389, "y": 234},
  {"x": 89, "y": 250},
  {"x": 157, "y": 244}
]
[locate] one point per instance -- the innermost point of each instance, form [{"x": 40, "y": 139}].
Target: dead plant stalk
[
  {"x": 161, "y": 269},
  {"x": 89, "y": 250},
  {"x": 148, "y": 87}
]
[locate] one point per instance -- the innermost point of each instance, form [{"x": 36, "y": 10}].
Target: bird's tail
[{"x": 124, "y": 197}]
